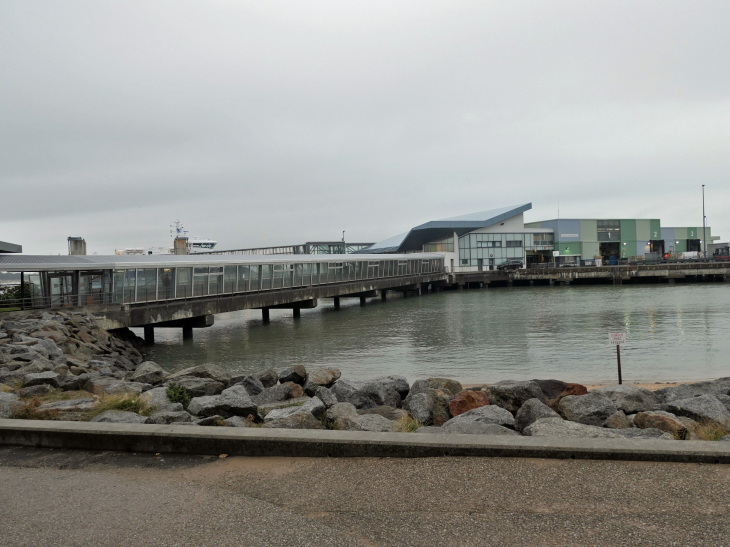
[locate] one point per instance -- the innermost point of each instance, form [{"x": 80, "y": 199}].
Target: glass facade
[
  {"x": 149, "y": 284},
  {"x": 445, "y": 245}
]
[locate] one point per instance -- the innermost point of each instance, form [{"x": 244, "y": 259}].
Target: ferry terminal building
[{"x": 481, "y": 241}]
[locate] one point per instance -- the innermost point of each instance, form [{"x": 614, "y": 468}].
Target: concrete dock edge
[{"x": 181, "y": 439}]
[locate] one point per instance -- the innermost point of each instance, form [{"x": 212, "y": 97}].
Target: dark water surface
[{"x": 674, "y": 333}]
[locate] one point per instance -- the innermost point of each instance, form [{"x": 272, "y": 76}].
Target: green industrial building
[{"x": 612, "y": 239}]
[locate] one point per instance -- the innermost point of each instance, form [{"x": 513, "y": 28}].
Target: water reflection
[{"x": 674, "y": 333}]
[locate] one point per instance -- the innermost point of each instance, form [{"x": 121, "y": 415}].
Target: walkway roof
[
  {"x": 414, "y": 239},
  {"x": 36, "y": 263}
]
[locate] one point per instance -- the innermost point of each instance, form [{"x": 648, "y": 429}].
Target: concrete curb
[{"x": 181, "y": 439}]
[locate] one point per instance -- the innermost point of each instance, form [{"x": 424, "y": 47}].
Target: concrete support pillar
[
  {"x": 187, "y": 333},
  {"x": 671, "y": 281},
  {"x": 552, "y": 282},
  {"x": 265, "y": 315},
  {"x": 510, "y": 283},
  {"x": 532, "y": 283},
  {"x": 149, "y": 334},
  {"x": 460, "y": 287},
  {"x": 337, "y": 302},
  {"x": 363, "y": 300},
  {"x": 297, "y": 313},
  {"x": 383, "y": 294},
  {"x": 405, "y": 294}
]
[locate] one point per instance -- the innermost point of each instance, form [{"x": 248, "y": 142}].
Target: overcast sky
[{"x": 267, "y": 123}]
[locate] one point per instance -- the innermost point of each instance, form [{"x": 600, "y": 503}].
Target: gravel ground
[{"x": 57, "y": 497}]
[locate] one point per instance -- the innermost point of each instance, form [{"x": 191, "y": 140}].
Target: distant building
[{"x": 10, "y": 247}]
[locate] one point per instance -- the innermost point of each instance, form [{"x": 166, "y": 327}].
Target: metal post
[
  {"x": 618, "y": 358},
  {"x": 22, "y": 290},
  {"x": 704, "y": 223}
]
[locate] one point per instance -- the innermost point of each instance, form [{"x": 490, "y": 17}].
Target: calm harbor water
[{"x": 674, "y": 333}]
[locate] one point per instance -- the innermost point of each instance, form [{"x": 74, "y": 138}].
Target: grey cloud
[{"x": 263, "y": 124}]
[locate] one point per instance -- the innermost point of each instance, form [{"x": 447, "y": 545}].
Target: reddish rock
[
  {"x": 467, "y": 400},
  {"x": 574, "y": 389},
  {"x": 296, "y": 390}
]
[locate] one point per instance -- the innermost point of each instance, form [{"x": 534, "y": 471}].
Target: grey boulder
[
  {"x": 252, "y": 384},
  {"x": 429, "y": 407},
  {"x": 198, "y": 387},
  {"x": 490, "y": 414},
  {"x": 365, "y": 422},
  {"x": 212, "y": 372},
  {"x": 704, "y": 407},
  {"x": 273, "y": 394},
  {"x": 120, "y": 417},
  {"x": 554, "y": 427},
  {"x": 349, "y": 392},
  {"x": 476, "y": 428},
  {"x": 7, "y": 402},
  {"x": 157, "y": 397},
  {"x": 387, "y": 412},
  {"x": 512, "y": 395},
  {"x": 148, "y": 372},
  {"x": 648, "y": 433},
  {"x": 326, "y": 396},
  {"x": 49, "y": 377},
  {"x": 69, "y": 405},
  {"x": 169, "y": 417},
  {"x": 339, "y": 410},
  {"x": 268, "y": 378},
  {"x": 619, "y": 420},
  {"x": 300, "y": 420},
  {"x": 398, "y": 383},
  {"x": 720, "y": 386},
  {"x": 313, "y": 406},
  {"x": 630, "y": 399},
  {"x": 233, "y": 401},
  {"x": 531, "y": 411},
  {"x": 594, "y": 408}
]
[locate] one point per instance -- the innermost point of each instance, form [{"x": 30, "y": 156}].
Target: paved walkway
[{"x": 69, "y": 498}]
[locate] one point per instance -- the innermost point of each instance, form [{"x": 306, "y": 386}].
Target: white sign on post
[
  {"x": 616, "y": 338},
  {"x": 556, "y": 253}
]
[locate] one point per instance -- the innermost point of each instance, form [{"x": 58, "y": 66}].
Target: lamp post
[{"x": 704, "y": 220}]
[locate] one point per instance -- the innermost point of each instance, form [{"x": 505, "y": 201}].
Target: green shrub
[{"x": 179, "y": 394}]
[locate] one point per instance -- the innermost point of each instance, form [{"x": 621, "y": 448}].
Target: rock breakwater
[{"x": 64, "y": 366}]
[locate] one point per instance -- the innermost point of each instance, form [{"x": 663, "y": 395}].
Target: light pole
[{"x": 704, "y": 223}]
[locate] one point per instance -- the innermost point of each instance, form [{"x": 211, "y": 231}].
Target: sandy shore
[{"x": 648, "y": 385}]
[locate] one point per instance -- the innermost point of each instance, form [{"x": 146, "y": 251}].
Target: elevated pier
[{"x": 616, "y": 275}]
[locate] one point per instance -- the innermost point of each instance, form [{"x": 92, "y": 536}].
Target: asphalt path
[{"x": 78, "y": 498}]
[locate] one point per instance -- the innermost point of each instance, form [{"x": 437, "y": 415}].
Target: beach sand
[{"x": 648, "y": 385}]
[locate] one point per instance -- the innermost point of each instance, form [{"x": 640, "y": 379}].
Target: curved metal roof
[{"x": 438, "y": 229}]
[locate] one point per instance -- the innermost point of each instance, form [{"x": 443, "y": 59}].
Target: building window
[
  {"x": 445, "y": 245},
  {"x": 464, "y": 262},
  {"x": 514, "y": 244},
  {"x": 609, "y": 230}
]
